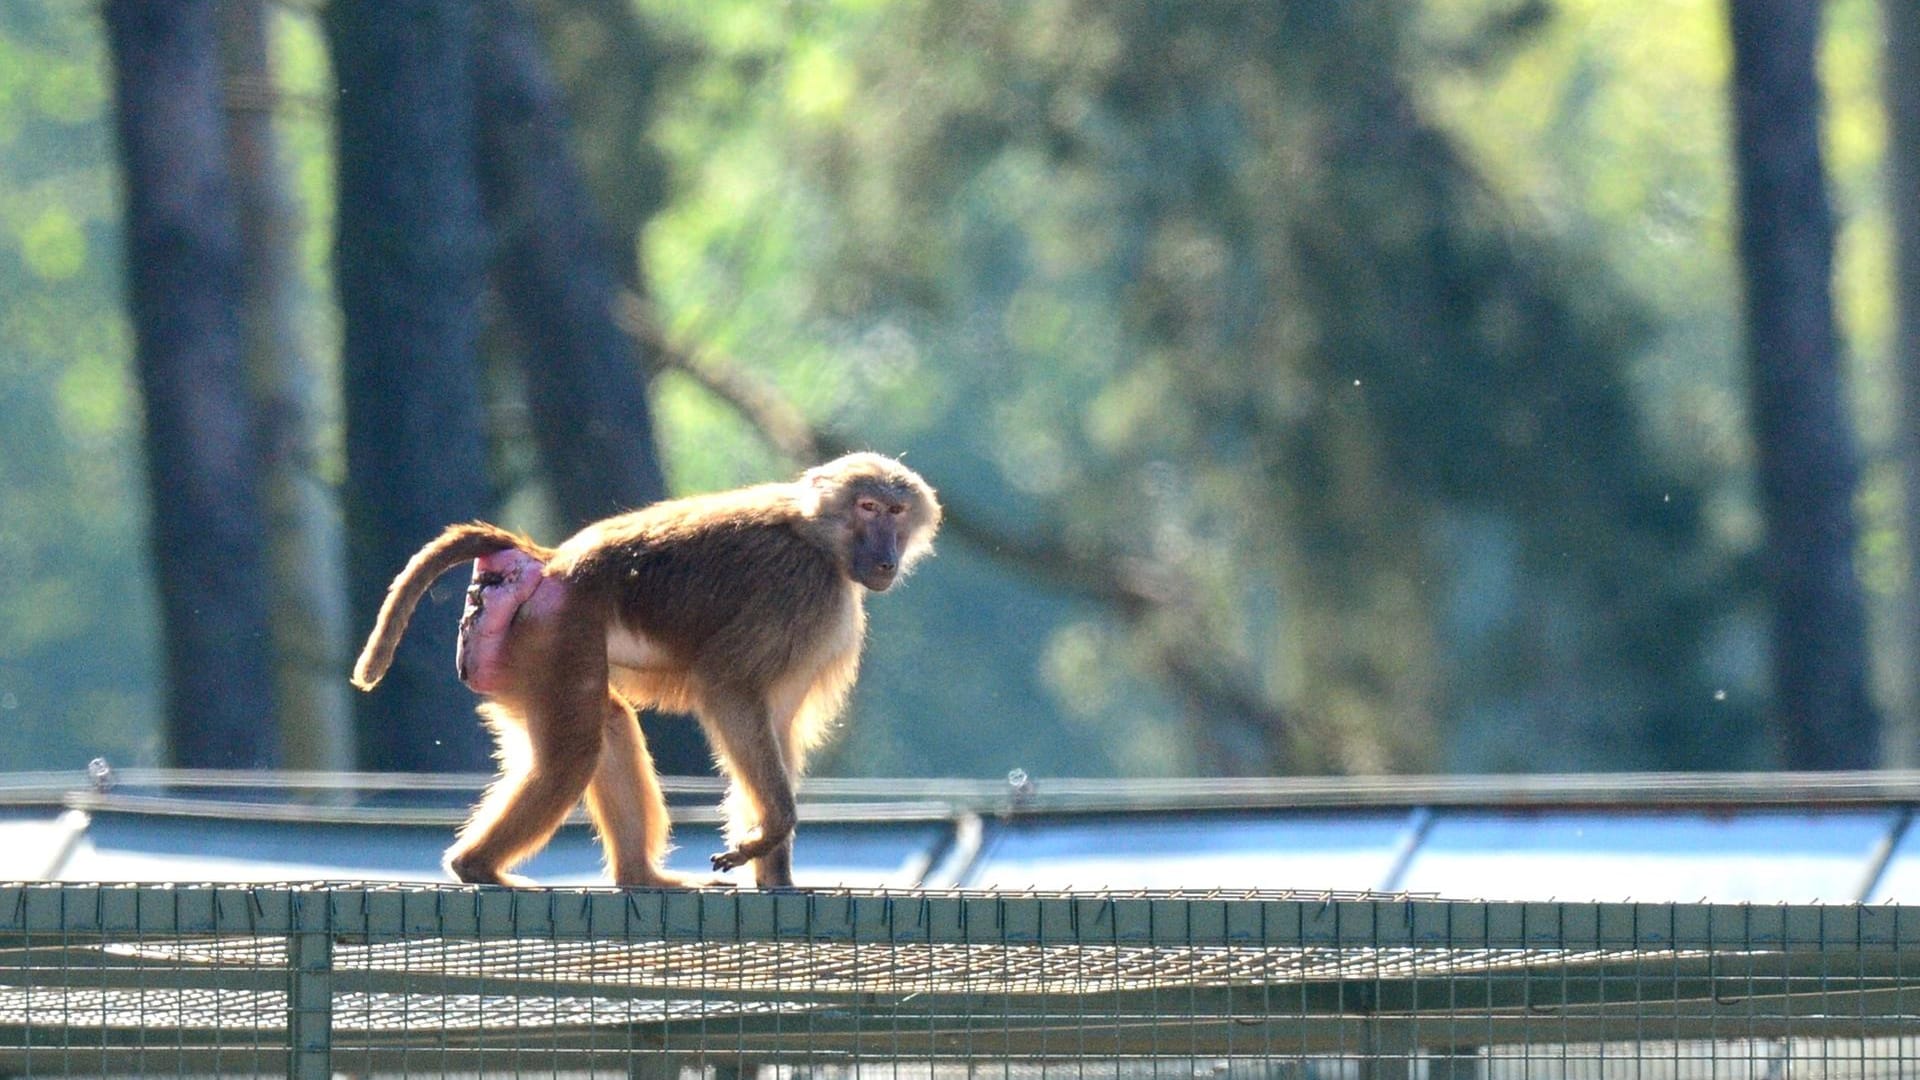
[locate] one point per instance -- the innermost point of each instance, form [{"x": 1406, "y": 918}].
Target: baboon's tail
[{"x": 460, "y": 543}]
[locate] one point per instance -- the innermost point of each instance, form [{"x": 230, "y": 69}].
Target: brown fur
[{"x": 743, "y": 607}]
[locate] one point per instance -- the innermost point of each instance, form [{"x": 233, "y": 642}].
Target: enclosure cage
[{"x": 380, "y": 979}]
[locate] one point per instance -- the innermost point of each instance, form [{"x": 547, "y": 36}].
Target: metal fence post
[{"x": 310, "y": 987}]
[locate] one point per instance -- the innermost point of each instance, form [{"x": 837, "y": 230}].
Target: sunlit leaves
[
  {"x": 77, "y": 637},
  {"x": 53, "y": 245}
]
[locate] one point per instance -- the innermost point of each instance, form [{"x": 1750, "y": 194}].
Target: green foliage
[
  {"x": 1629, "y": 157},
  {"x": 77, "y": 643},
  {"x": 1399, "y": 337}
]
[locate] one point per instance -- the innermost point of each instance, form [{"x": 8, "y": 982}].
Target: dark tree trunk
[
  {"x": 306, "y": 593},
  {"x": 559, "y": 280},
  {"x": 203, "y": 454},
  {"x": 611, "y": 67},
  {"x": 1807, "y": 461},
  {"x": 1903, "y": 182},
  {"x": 410, "y": 265}
]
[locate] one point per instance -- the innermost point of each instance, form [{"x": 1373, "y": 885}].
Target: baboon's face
[
  {"x": 880, "y": 515},
  {"x": 873, "y": 557}
]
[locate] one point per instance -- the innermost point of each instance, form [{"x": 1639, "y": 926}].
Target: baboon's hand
[{"x": 744, "y": 852}]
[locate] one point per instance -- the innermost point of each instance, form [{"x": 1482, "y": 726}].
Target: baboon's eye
[{"x": 869, "y": 506}]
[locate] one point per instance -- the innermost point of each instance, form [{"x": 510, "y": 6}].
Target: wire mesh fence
[{"x": 313, "y": 981}]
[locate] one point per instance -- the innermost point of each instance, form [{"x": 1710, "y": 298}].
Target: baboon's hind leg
[
  {"x": 535, "y": 793},
  {"x": 626, "y": 804}
]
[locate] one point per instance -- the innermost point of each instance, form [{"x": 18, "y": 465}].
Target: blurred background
[{"x": 1384, "y": 386}]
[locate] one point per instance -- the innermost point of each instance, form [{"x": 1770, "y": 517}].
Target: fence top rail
[
  {"x": 320, "y": 794},
  {"x": 1228, "y": 919}
]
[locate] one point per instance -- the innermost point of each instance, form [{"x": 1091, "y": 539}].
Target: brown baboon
[{"x": 743, "y": 607}]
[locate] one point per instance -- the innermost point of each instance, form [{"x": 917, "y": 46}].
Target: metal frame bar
[
  {"x": 1072, "y": 794},
  {"x": 948, "y": 917}
]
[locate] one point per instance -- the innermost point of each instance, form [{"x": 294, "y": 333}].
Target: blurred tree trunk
[
  {"x": 306, "y": 591},
  {"x": 1807, "y": 461},
  {"x": 410, "y": 266},
  {"x": 610, "y": 65},
  {"x": 184, "y": 264},
  {"x": 559, "y": 279},
  {"x": 1903, "y": 182}
]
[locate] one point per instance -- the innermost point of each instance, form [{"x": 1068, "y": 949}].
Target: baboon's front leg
[{"x": 743, "y": 732}]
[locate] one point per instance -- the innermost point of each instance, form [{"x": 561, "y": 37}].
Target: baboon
[{"x": 744, "y": 608}]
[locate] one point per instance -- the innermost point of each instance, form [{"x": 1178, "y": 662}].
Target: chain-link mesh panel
[{"x": 423, "y": 980}]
